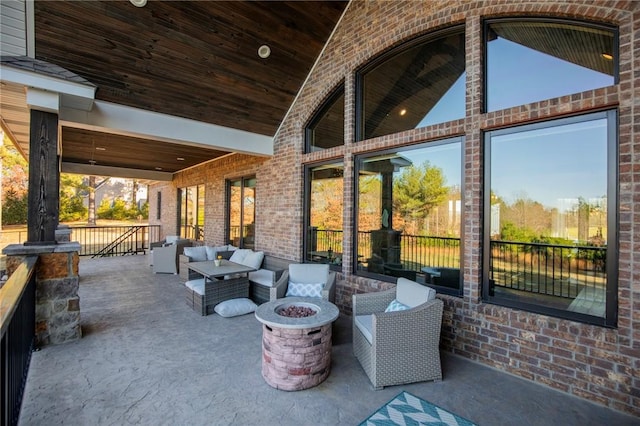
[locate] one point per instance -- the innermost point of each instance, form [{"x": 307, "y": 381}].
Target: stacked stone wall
[{"x": 596, "y": 363}]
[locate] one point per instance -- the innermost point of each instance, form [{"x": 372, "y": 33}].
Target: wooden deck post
[{"x": 44, "y": 179}]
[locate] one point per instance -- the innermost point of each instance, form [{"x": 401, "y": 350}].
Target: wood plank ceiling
[{"x": 191, "y": 59}]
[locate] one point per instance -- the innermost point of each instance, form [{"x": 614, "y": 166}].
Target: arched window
[
  {"x": 418, "y": 84},
  {"x": 326, "y": 127}
]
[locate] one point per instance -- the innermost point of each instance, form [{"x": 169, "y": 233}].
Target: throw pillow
[
  {"x": 396, "y": 306},
  {"x": 253, "y": 259},
  {"x": 235, "y": 307},
  {"x": 196, "y": 254},
  {"x": 239, "y": 255},
  {"x": 304, "y": 290}
]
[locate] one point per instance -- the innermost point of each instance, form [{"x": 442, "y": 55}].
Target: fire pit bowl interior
[{"x": 297, "y": 309}]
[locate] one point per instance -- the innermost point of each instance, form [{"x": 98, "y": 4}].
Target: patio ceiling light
[
  {"x": 264, "y": 51},
  {"x": 139, "y": 3}
]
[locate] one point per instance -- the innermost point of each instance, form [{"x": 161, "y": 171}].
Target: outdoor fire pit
[{"x": 296, "y": 341}]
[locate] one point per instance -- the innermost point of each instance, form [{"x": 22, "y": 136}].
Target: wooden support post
[{"x": 44, "y": 179}]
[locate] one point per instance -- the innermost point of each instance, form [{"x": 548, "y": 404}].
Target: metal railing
[
  {"x": 114, "y": 240},
  {"x": 18, "y": 324},
  {"x": 547, "y": 269}
]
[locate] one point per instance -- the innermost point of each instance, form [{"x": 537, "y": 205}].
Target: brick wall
[{"x": 599, "y": 364}]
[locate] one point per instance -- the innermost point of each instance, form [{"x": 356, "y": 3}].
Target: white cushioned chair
[
  {"x": 396, "y": 334},
  {"x": 165, "y": 258},
  {"x": 306, "y": 280}
]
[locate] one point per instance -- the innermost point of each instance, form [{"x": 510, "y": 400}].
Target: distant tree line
[{"x": 73, "y": 190}]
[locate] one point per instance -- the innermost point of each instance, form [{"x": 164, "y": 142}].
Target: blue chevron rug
[{"x": 409, "y": 410}]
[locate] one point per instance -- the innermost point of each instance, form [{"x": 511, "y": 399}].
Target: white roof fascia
[
  {"x": 127, "y": 121},
  {"x": 80, "y": 95},
  {"x": 94, "y": 169}
]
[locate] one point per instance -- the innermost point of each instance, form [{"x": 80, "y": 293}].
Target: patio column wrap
[{"x": 57, "y": 281}]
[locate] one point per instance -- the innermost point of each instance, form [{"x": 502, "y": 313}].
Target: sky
[{"x": 548, "y": 165}]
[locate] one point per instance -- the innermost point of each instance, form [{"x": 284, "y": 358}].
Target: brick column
[{"x": 57, "y": 281}]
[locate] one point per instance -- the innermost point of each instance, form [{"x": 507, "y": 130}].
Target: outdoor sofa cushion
[
  {"x": 263, "y": 277},
  {"x": 412, "y": 294},
  {"x": 196, "y": 254},
  {"x": 196, "y": 285}
]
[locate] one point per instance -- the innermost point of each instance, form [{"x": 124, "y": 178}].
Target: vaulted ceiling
[{"x": 195, "y": 60}]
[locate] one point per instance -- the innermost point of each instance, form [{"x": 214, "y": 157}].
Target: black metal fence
[
  {"x": 548, "y": 269},
  {"x": 97, "y": 241},
  {"x": 18, "y": 326}
]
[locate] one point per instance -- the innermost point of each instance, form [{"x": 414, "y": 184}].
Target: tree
[
  {"x": 416, "y": 192},
  {"x": 72, "y": 190},
  {"x": 15, "y": 184}
]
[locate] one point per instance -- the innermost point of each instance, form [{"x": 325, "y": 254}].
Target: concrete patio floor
[{"x": 146, "y": 358}]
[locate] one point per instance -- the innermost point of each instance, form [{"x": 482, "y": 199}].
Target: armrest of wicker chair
[
  {"x": 279, "y": 289},
  {"x": 369, "y": 303},
  {"x": 329, "y": 290}
]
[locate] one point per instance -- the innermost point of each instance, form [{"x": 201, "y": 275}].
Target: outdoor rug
[{"x": 407, "y": 409}]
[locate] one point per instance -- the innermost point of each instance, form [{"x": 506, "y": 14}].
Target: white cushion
[
  {"x": 239, "y": 255},
  {"x": 263, "y": 277},
  {"x": 365, "y": 325},
  {"x": 253, "y": 259},
  {"x": 304, "y": 289},
  {"x": 308, "y": 273},
  {"x": 196, "y": 285},
  {"x": 171, "y": 239},
  {"x": 196, "y": 254},
  {"x": 412, "y": 294},
  {"x": 396, "y": 306},
  {"x": 212, "y": 252},
  {"x": 235, "y": 307}
]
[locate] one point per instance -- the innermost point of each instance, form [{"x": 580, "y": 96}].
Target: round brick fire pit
[{"x": 296, "y": 351}]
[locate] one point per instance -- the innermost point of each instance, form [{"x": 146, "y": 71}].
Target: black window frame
[
  {"x": 542, "y": 19},
  {"x": 227, "y": 231},
  {"x": 385, "y": 56},
  {"x": 612, "y": 258},
  {"x": 458, "y": 292},
  {"x": 317, "y": 117},
  {"x": 307, "y": 209}
]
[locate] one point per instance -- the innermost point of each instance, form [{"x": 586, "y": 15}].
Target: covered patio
[{"x": 146, "y": 358}]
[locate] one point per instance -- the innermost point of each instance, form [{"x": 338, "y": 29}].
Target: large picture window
[
  {"x": 418, "y": 84},
  {"x": 241, "y": 202},
  {"x": 323, "y": 214},
  {"x": 533, "y": 60},
  {"x": 409, "y": 214},
  {"x": 326, "y": 128},
  {"x": 192, "y": 212},
  {"x": 550, "y": 216}
]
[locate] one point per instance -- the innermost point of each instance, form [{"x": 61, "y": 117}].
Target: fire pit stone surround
[{"x": 296, "y": 352}]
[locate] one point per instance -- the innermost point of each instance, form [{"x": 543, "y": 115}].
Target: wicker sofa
[
  {"x": 201, "y": 253},
  {"x": 271, "y": 276},
  {"x": 402, "y": 346}
]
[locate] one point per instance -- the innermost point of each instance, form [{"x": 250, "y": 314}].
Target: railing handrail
[
  {"x": 550, "y": 245},
  {"x": 12, "y": 291}
]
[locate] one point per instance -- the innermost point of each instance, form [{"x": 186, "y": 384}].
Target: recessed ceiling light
[
  {"x": 180, "y": 159},
  {"x": 264, "y": 51},
  {"x": 158, "y": 168},
  {"x": 99, "y": 148},
  {"x": 403, "y": 111},
  {"x": 607, "y": 56},
  {"x": 138, "y": 3}
]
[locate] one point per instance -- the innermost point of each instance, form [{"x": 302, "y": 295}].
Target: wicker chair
[
  {"x": 306, "y": 273},
  {"x": 402, "y": 346}
]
